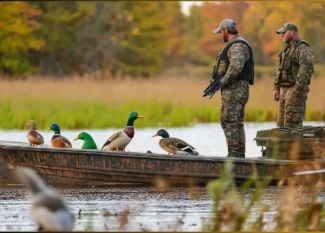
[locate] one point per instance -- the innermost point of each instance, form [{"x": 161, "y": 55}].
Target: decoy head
[
  {"x": 32, "y": 125},
  {"x": 162, "y": 133},
  {"x": 83, "y": 136},
  {"x": 133, "y": 116},
  {"x": 55, "y": 128}
]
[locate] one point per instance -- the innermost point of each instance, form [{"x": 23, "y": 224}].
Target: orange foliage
[
  {"x": 257, "y": 22},
  {"x": 213, "y": 14}
]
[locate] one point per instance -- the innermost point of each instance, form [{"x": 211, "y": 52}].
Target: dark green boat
[{"x": 279, "y": 143}]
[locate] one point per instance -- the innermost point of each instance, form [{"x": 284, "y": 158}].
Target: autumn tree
[
  {"x": 263, "y": 18},
  {"x": 142, "y": 54},
  {"x": 175, "y": 34},
  {"x": 102, "y": 36},
  {"x": 58, "y": 24},
  {"x": 213, "y": 13},
  {"x": 195, "y": 33},
  {"x": 17, "y": 37}
]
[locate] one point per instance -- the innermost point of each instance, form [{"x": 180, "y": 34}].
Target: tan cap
[
  {"x": 286, "y": 27},
  {"x": 226, "y": 23}
]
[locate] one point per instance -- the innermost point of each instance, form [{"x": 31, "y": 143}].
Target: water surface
[{"x": 101, "y": 208}]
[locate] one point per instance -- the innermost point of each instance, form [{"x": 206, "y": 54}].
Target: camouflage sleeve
[
  {"x": 238, "y": 54},
  {"x": 277, "y": 74},
  {"x": 306, "y": 65}
]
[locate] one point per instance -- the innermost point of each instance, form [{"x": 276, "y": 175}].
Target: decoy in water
[{"x": 48, "y": 209}]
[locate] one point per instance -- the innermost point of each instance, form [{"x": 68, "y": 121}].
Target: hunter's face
[
  {"x": 287, "y": 36},
  {"x": 224, "y": 35}
]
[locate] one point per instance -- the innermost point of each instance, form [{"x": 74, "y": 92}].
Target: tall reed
[{"x": 90, "y": 102}]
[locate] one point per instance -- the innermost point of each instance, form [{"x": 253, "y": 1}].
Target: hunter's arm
[
  {"x": 306, "y": 65},
  {"x": 238, "y": 54}
]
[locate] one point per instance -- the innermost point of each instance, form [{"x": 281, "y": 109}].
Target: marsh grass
[
  {"x": 243, "y": 207},
  {"x": 230, "y": 211},
  {"x": 294, "y": 212},
  {"x": 90, "y": 102}
]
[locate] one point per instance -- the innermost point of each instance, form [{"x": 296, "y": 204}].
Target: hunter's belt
[{"x": 286, "y": 84}]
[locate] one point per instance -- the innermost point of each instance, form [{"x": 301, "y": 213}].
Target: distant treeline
[{"x": 141, "y": 38}]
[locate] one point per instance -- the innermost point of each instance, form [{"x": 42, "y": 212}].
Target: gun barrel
[
  {"x": 214, "y": 85},
  {"x": 212, "y": 88}
]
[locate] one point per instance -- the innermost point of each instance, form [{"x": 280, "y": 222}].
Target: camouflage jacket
[
  {"x": 238, "y": 54},
  {"x": 305, "y": 63}
]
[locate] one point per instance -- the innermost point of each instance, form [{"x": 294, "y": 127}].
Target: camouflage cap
[
  {"x": 226, "y": 23},
  {"x": 286, "y": 27}
]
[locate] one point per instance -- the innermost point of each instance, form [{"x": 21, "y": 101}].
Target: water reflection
[{"x": 103, "y": 208}]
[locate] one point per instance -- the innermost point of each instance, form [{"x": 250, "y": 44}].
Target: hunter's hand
[{"x": 276, "y": 94}]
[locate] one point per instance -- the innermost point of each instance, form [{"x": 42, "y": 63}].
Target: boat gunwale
[{"x": 26, "y": 147}]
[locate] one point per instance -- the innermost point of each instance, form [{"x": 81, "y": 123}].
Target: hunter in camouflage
[
  {"x": 236, "y": 65},
  {"x": 294, "y": 70}
]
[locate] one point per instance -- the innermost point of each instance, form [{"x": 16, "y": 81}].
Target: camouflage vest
[
  {"x": 247, "y": 73},
  {"x": 288, "y": 64}
]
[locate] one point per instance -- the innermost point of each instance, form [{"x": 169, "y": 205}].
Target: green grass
[{"x": 96, "y": 115}]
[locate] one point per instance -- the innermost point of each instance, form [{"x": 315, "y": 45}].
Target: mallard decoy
[
  {"x": 58, "y": 140},
  {"x": 48, "y": 208},
  {"x": 89, "y": 142},
  {"x": 120, "y": 139},
  {"x": 174, "y": 145},
  {"x": 34, "y": 137}
]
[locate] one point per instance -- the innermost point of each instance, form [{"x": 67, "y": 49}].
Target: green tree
[
  {"x": 17, "y": 37},
  {"x": 142, "y": 54},
  {"x": 58, "y": 28},
  {"x": 195, "y": 34},
  {"x": 103, "y": 36},
  {"x": 175, "y": 34}
]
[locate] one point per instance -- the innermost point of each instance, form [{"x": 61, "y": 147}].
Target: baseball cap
[
  {"x": 286, "y": 27},
  {"x": 226, "y": 23}
]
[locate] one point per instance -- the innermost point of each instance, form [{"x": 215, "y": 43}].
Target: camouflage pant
[
  {"x": 234, "y": 98},
  {"x": 292, "y": 106}
]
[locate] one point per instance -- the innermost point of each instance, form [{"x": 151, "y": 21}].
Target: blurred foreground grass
[{"x": 233, "y": 211}]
